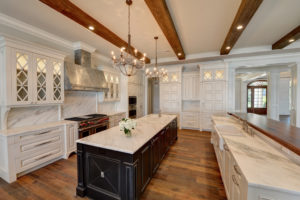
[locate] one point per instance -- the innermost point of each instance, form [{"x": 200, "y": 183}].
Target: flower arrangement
[{"x": 127, "y": 125}]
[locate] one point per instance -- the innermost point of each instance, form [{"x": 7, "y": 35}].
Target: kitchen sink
[{"x": 229, "y": 130}]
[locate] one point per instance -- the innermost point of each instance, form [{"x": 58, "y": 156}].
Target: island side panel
[{"x": 106, "y": 174}]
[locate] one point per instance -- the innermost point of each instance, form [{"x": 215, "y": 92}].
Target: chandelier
[
  {"x": 155, "y": 73},
  {"x": 127, "y": 62}
]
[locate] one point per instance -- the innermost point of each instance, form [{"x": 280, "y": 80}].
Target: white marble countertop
[
  {"x": 21, "y": 130},
  {"x": 261, "y": 164},
  {"x": 114, "y": 139}
]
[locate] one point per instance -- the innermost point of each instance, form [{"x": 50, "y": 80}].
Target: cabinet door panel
[
  {"x": 146, "y": 166},
  {"x": 22, "y": 77}
]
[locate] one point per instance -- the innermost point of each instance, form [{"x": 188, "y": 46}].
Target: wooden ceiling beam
[
  {"x": 287, "y": 39},
  {"x": 162, "y": 15},
  {"x": 73, "y": 12},
  {"x": 246, "y": 11}
]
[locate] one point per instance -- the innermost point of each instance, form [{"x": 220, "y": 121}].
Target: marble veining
[
  {"x": 39, "y": 127},
  {"x": 261, "y": 164},
  {"x": 114, "y": 139},
  {"x": 79, "y": 103},
  {"x": 28, "y": 116}
]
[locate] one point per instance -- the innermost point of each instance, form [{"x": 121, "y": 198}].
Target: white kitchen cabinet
[
  {"x": 213, "y": 93},
  {"x": 71, "y": 135},
  {"x": 31, "y": 149},
  {"x": 30, "y": 75},
  {"x": 235, "y": 183},
  {"x": 190, "y": 120},
  {"x": 190, "y": 86}
]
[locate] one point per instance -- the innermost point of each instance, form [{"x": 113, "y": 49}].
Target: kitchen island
[{"x": 114, "y": 166}]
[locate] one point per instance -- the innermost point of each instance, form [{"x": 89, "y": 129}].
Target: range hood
[{"x": 81, "y": 76}]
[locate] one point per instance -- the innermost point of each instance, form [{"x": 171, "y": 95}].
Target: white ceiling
[{"x": 202, "y": 25}]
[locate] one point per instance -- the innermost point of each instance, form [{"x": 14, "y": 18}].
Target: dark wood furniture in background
[
  {"x": 284, "y": 134},
  {"x": 107, "y": 174}
]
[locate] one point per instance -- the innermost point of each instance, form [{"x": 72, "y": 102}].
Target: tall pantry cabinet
[{"x": 213, "y": 91}]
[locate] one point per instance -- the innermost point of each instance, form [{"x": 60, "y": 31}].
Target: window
[
  {"x": 249, "y": 105},
  {"x": 260, "y": 97}
]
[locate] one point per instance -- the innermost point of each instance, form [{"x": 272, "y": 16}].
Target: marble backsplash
[
  {"x": 79, "y": 103},
  {"x": 75, "y": 104},
  {"x": 27, "y": 116}
]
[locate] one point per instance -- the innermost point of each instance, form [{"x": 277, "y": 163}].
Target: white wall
[{"x": 284, "y": 96}]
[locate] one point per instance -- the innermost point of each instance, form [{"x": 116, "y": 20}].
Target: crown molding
[
  {"x": 32, "y": 30},
  {"x": 84, "y": 46}
]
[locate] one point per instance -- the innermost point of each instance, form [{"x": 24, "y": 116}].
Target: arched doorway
[{"x": 257, "y": 97}]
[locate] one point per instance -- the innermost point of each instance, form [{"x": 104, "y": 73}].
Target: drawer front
[
  {"x": 40, "y": 144},
  {"x": 38, "y": 158},
  {"x": 38, "y": 135},
  {"x": 190, "y": 124}
]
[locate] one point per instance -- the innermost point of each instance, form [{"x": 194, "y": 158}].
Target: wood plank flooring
[{"x": 188, "y": 172}]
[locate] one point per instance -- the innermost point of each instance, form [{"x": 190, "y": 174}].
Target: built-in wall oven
[{"x": 132, "y": 106}]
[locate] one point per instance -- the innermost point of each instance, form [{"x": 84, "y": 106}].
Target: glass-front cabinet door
[
  {"x": 21, "y": 82},
  {"x": 41, "y": 78},
  {"x": 57, "y": 81}
]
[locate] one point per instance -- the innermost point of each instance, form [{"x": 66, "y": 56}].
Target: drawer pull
[
  {"x": 234, "y": 180},
  {"x": 43, "y": 143},
  {"x": 42, "y": 133},
  {"x": 236, "y": 169},
  {"x": 45, "y": 156},
  {"x": 226, "y": 147}
]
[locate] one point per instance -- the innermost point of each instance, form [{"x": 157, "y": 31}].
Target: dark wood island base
[{"x": 108, "y": 175}]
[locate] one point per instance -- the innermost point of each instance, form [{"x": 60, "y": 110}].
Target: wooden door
[{"x": 257, "y": 98}]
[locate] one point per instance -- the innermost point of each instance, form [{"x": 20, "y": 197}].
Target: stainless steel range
[{"x": 90, "y": 124}]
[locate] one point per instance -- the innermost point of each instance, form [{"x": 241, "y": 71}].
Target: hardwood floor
[{"x": 189, "y": 171}]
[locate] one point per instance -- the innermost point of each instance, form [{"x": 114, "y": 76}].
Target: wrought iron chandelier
[
  {"x": 155, "y": 73},
  {"x": 127, "y": 62}
]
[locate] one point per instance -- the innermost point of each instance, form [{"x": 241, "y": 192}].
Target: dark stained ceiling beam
[
  {"x": 73, "y": 12},
  {"x": 162, "y": 15},
  {"x": 246, "y": 11},
  {"x": 287, "y": 39}
]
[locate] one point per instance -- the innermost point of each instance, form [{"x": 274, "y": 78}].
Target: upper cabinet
[
  {"x": 190, "y": 86},
  {"x": 112, "y": 78},
  {"x": 30, "y": 75},
  {"x": 213, "y": 74}
]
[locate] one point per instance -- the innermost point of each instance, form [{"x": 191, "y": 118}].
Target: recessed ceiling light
[
  {"x": 239, "y": 27},
  {"x": 91, "y": 28},
  {"x": 291, "y": 40},
  {"x": 179, "y": 54},
  {"x": 228, "y": 47}
]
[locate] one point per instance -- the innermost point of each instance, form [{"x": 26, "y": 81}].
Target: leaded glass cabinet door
[
  {"x": 22, "y": 77},
  {"x": 41, "y": 83},
  {"x": 57, "y": 81}
]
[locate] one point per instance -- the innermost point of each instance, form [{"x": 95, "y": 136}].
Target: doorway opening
[
  {"x": 153, "y": 96},
  {"x": 257, "y": 97}
]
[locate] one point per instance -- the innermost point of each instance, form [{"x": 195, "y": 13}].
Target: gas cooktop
[{"x": 86, "y": 117}]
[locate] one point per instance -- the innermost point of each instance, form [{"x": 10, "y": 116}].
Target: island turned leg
[{"x": 81, "y": 187}]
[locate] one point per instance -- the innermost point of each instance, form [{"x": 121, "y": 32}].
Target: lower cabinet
[
  {"x": 108, "y": 174},
  {"x": 33, "y": 149},
  {"x": 235, "y": 183},
  {"x": 71, "y": 134}
]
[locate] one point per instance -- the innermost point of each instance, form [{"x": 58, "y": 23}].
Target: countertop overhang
[
  {"x": 114, "y": 139},
  {"x": 284, "y": 134}
]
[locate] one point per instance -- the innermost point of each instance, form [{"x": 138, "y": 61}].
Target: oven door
[{"x": 93, "y": 129}]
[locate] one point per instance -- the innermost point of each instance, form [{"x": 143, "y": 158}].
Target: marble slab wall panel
[
  {"x": 28, "y": 116},
  {"x": 79, "y": 103},
  {"x": 107, "y": 107}
]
